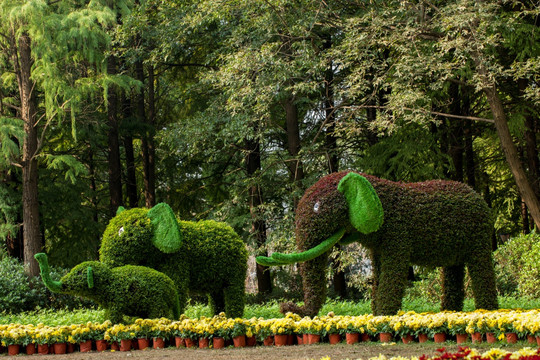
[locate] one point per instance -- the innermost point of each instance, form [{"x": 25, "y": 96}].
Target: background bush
[
  {"x": 20, "y": 293},
  {"x": 515, "y": 264},
  {"x": 529, "y": 279}
]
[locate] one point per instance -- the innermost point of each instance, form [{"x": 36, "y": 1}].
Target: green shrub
[
  {"x": 529, "y": 279},
  {"x": 15, "y": 292},
  {"x": 511, "y": 271},
  {"x": 20, "y": 293}
]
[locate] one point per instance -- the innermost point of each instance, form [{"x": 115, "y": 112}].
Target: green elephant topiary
[
  {"x": 127, "y": 290},
  {"x": 433, "y": 223},
  {"x": 205, "y": 257}
]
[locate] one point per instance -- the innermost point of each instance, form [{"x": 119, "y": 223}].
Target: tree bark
[
  {"x": 147, "y": 143},
  {"x": 455, "y": 134},
  {"x": 31, "y": 234},
  {"x": 510, "y": 150},
  {"x": 530, "y": 144},
  {"x": 525, "y": 227},
  {"x": 131, "y": 178},
  {"x": 469, "y": 156},
  {"x": 295, "y": 166},
  {"x": 340, "y": 285},
  {"x": 258, "y": 224},
  {"x": 115, "y": 167}
]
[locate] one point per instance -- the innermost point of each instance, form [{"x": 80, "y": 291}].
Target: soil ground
[{"x": 296, "y": 352}]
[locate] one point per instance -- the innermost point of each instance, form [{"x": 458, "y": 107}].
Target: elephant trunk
[{"x": 54, "y": 286}]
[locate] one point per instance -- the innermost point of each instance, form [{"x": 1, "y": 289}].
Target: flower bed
[
  {"x": 466, "y": 353},
  {"x": 408, "y": 326}
]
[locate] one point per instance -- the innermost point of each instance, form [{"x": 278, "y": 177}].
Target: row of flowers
[
  {"x": 467, "y": 353},
  {"x": 499, "y": 323}
]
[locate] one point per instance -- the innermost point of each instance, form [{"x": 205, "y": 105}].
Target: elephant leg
[
  {"x": 235, "y": 298},
  {"x": 314, "y": 287},
  {"x": 483, "y": 282},
  {"x": 453, "y": 292},
  {"x": 392, "y": 283},
  {"x": 217, "y": 302},
  {"x": 376, "y": 271}
]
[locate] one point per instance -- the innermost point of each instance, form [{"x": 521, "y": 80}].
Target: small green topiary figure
[
  {"x": 205, "y": 257},
  {"x": 433, "y": 223},
  {"x": 127, "y": 290}
]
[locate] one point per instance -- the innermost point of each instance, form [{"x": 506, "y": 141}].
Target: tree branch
[
  {"x": 11, "y": 106},
  {"x": 194, "y": 65},
  {"x": 436, "y": 113}
]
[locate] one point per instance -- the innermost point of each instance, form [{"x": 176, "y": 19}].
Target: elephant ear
[
  {"x": 167, "y": 235},
  {"x": 365, "y": 208},
  {"x": 120, "y": 209}
]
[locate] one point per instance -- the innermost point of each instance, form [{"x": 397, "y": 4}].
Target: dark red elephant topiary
[{"x": 433, "y": 223}]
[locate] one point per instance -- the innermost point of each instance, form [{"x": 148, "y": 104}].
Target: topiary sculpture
[
  {"x": 205, "y": 257},
  {"x": 126, "y": 290},
  {"x": 433, "y": 223}
]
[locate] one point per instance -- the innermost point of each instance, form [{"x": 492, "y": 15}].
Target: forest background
[{"x": 230, "y": 109}]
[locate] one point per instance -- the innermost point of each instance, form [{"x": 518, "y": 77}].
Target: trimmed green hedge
[
  {"x": 212, "y": 258},
  {"x": 433, "y": 223}
]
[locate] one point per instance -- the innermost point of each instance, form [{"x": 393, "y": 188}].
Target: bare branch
[
  {"x": 436, "y": 113},
  {"x": 17, "y": 108},
  {"x": 189, "y": 65}
]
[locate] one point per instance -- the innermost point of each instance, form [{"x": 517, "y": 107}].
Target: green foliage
[
  {"x": 9, "y": 209},
  {"x": 510, "y": 259},
  {"x": 266, "y": 310},
  {"x": 19, "y": 293},
  {"x": 11, "y": 135},
  {"x": 66, "y": 164},
  {"x": 411, "y": 153},
  {"x": 71, "y": 224},
  {"x": 55, "y": 317},
  {"x": 529, "y": 279},
  {"x": 15, "y": 292}
]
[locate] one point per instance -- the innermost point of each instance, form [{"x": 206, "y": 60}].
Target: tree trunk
[
  {"x": 510, "y": 150},
  {"x": 147, "y": 143},
  {"x": 93, "y": 185},
  {"x": 530, "y": 144},
  {"x": 296, "y": 170},
  {"x": 115, "y": 167},
  {"x": 31, "y": 233},
  {"x": 470, "y": 165},
  {"x": 340, "y": 285},
  {"x": 455, "y": 134},
  {"x": 131, "y": 178},
  {"x": 469, "y": 156},
  {"x": 258, "y": 224},
  {"x": 525, "y": 227}
]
